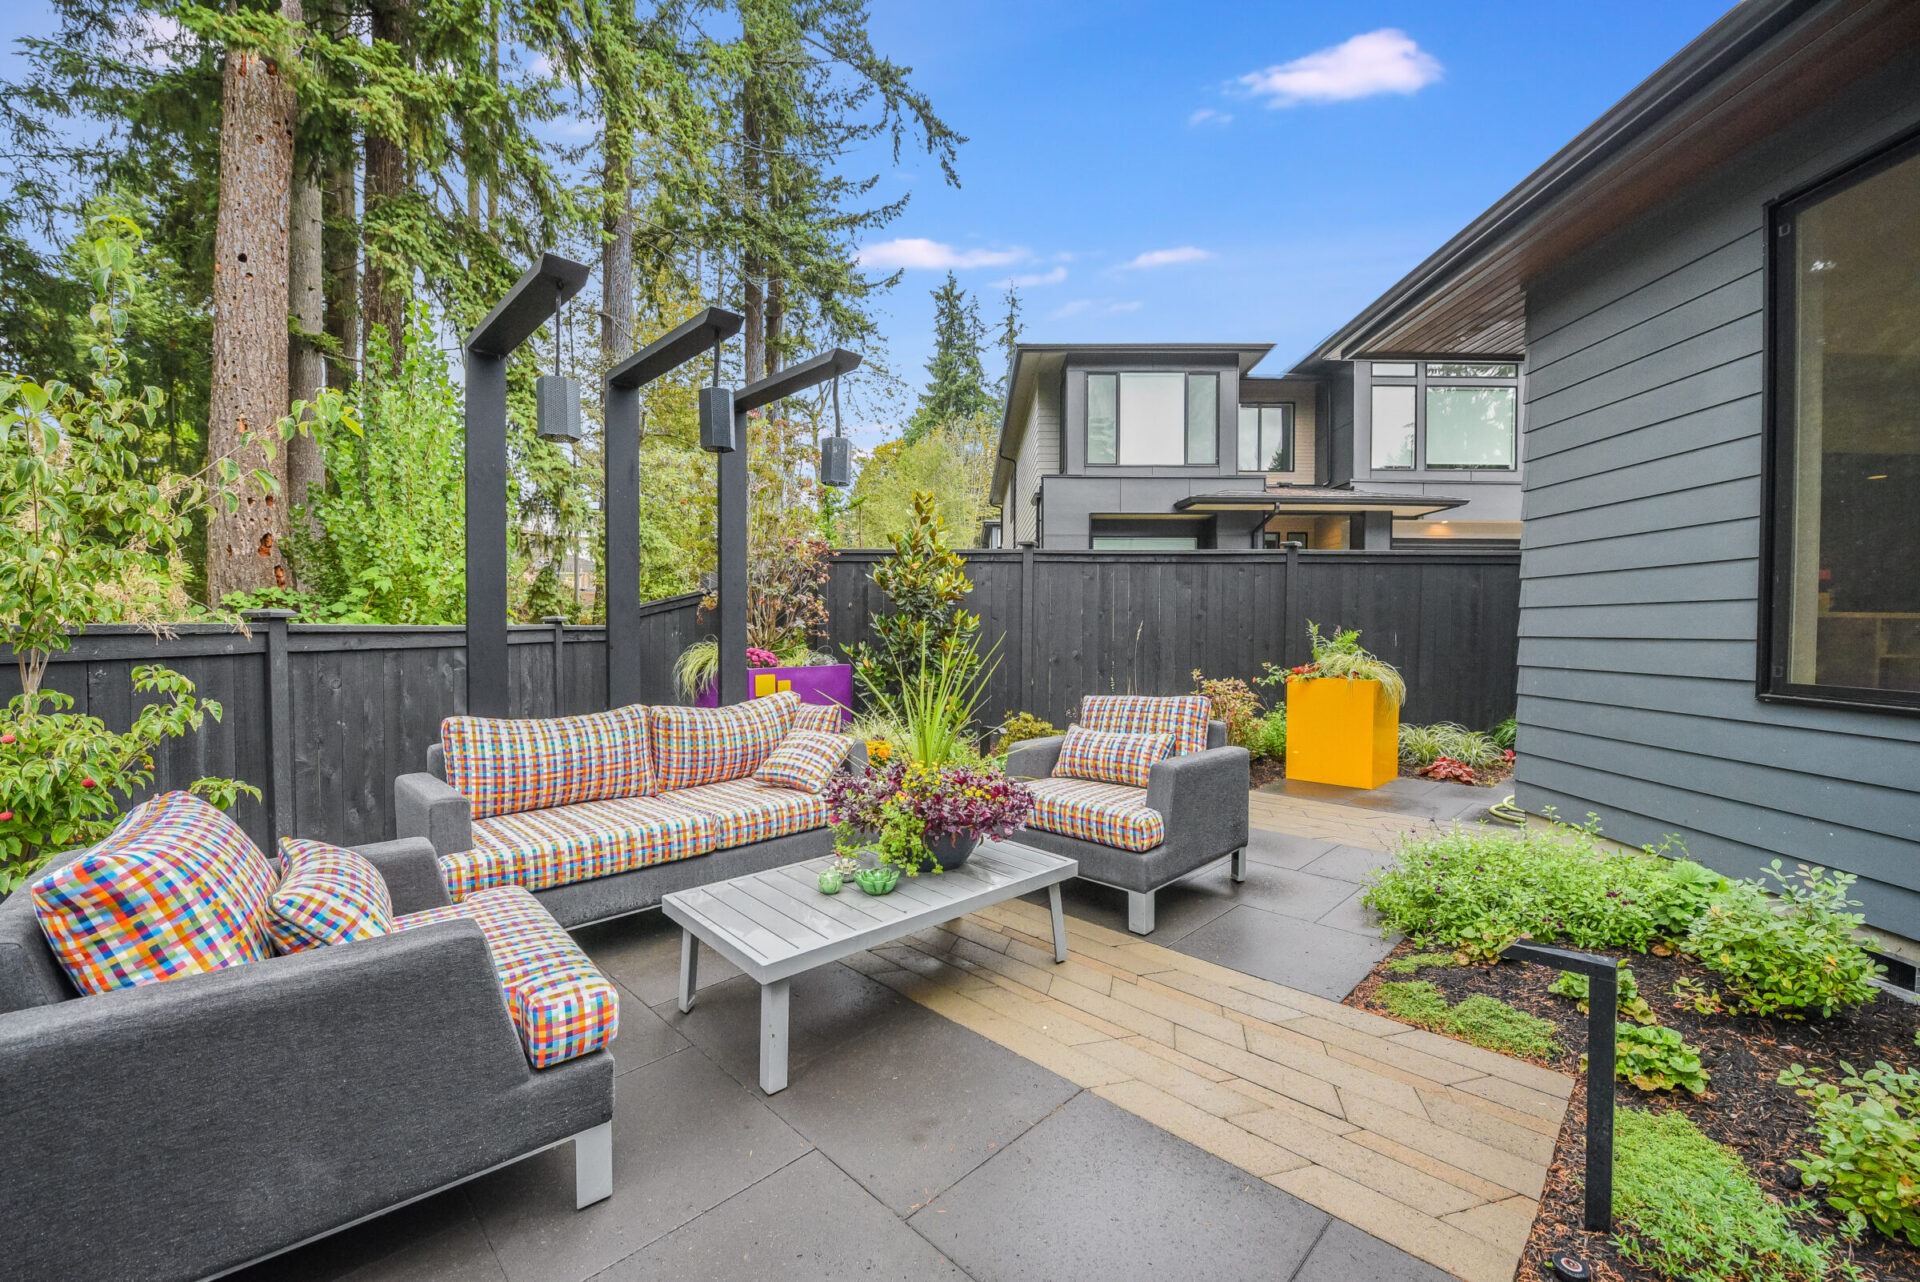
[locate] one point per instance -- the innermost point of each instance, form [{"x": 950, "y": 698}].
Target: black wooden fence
[{"x": 322, "y": 717}]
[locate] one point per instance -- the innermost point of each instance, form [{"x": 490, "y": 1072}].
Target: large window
[
  {"x": 1457, "y": 415},
  {"x": 1153, "y": 419},
  {"x": 1844, "y": 608},
  {"x": 1266, "y": 438}
]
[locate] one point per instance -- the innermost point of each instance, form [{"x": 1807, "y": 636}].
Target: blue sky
[
  {"x": 1279, "y": 195},
  {"x": 1196, "y": 170}
]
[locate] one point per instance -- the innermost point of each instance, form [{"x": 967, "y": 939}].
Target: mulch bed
[
  {"x": 1266, "y": 770},
  {"x": 1745, "y": 1107}
]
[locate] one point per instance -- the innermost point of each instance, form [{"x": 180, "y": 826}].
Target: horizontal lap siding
[{"x": 1639, "y": 570}]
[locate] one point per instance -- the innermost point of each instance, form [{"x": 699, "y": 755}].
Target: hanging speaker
[
  {"x": 716, "y": 419},
  {"x": 836, "y": 462},
  {"x": 556, "y": 399}
]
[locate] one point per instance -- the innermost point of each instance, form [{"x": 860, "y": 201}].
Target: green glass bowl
[
  {"x": 877, "y": 881},
  {"x": 830, "y": 882}
]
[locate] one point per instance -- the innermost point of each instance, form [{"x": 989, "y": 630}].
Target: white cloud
[
  {"x": 1209, "y": 116},
  {"x": 919, "y": 254},
  {"x": 1031, "y": 279},
  {"x": 1377, "y": 62},
  {"x": 1096, "y": 307},
  {"x": 1166, "y": 258}
]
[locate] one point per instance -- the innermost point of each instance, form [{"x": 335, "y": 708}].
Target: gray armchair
[
  {"x": 182, "y": 1129},
  {"x": 1201, "y": 797}
]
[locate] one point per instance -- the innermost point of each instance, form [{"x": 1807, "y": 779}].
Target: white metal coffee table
[{"x": 775, "y": 924}]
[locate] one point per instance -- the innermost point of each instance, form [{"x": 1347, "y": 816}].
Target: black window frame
[
  {"x": 1421, "y": 382},
  {"x": 1119, "y": 419},
  {"x": 1292, "y": 429},
  {"x": 1775, "y": 611}
]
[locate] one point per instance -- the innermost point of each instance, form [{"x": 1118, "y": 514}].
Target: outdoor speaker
[
  {"x": 716, "y": 420},
  {"x": 836, "y": 462},
  {"x": 556, "y": 399}
]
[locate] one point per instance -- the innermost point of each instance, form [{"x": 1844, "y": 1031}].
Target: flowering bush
[
  {"x": 908, "y": 804},
  {"x": 758, "y": 658},
  {"x": 1448, "y": 768},
  {"x": 1235, "y": 703}
]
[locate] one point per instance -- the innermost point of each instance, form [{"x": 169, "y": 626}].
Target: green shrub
[
  {"x": 1504, "y": 734},
  {"x": 1019, "y": 728},
  {"x": 1482, "y": 1020},
  {"x": 1628, "y": 1002},
  {"x": 1688, "y": 1208},
  {"x": 1272, "y": 738},
  {"x": 1657, "y": 1059},
  {"x": 1235, "y": 703},
  {"x": 1414, "y": 961},
  {"x": 1790, "y": 956},
  {"x": 1424, "y": 745},
  {"x": 1478, "y": 890},
  {"x": 1869, "y": 1158}
]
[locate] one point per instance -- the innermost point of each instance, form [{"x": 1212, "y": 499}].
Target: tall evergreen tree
[
  {"x": 956, "y": 379},
  {"x": 1010, "y": 331}
]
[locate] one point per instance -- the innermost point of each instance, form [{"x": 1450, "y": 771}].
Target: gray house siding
[{"x": 1639, "y": 564}]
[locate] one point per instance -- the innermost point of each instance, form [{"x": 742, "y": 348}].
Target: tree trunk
[
  {"x": 384, "y": 290},
  {"x": 245, "y": 546},
  {"x": 776, "y": 323},
  {"x": 616, "y": 259},
  {"x": 306, "y": 365},
  {"x": 754, "y": 332}
]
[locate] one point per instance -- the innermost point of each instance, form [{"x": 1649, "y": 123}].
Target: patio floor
[{"x": 1197, "y": 1104}]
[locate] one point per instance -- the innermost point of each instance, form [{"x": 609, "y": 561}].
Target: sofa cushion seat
[
  {"x": 744, "y": 810},
  {"x": 562, "y": 1006},
  {"x": 1107, "y": 813},
  {"x": 537, "y": 849}
]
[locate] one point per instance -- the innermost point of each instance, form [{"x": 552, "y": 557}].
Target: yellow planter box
[{"x": 1341, "y": 732}]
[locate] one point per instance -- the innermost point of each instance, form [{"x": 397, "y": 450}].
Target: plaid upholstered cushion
[
  {"x": 175, "y": 890},
  {"x": 693, "y": 746},
  {"x": 1106, "y": 813},
  {"x": 1182, "y": 716},
  {"x": 804, "y": 760},
  {"x": 326, "y": 896},
  {"x": 1111, "y": 758},
  {"x": 744, "y": 811},
  {"x": 830, "y": 717},
  {"x": 541, "y": 848},
  {"x": 504, "y": 766},
  {"x": 561, "y": 1005}
]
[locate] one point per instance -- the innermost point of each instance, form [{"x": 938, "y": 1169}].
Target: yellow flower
[{"x": 879, "y": 749}]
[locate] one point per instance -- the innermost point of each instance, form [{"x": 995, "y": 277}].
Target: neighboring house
[
  {"x": 1716, "y": 288},
  {"x": 1178, "y": 445}
]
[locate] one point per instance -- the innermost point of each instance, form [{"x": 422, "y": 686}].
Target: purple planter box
[{"x": 829, "y": 685}]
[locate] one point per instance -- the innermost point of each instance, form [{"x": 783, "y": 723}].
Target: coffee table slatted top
[{"x": 776, "y": 924}]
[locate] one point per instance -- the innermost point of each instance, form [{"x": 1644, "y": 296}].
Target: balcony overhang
[{"x": 1318, "y": 502}]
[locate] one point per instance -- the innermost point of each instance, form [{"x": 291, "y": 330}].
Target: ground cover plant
[
  {"x": 1482, "y": 1020},
  {"x": 1424, "y": 745}
]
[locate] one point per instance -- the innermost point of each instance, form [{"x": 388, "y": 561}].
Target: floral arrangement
[
  {"x": 1340, "y": 654},
  {"x": 897, "y": 810},
  {"x": 758, "y": 658}
]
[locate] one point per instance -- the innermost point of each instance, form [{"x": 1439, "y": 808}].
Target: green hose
[{"x": 1508, "y": 811}]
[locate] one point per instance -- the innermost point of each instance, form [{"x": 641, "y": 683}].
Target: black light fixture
[
  {"x": 556, "y": 396},
  {"x": 836, "y": 452},
  {"x": 716, "y": 412}
]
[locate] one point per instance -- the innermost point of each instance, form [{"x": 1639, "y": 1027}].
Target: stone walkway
[{"x": 1434, "y": 1146}]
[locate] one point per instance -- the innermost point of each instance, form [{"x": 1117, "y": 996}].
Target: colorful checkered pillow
[
  {"x": 326, "y": 896},
  {"x": 1111, "y": 758},
  {"x": 830, "y": 717},
  {"x": 804, "y": 760},
  {"x": 1182, "y": 716},
  {"x": 175, "y": 890},
  {"x": 506, "y": 766},
  {"x": 692, "y": 746}
]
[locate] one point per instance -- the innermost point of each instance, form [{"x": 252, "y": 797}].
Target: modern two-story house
[{"x": 1179, "y": 445}]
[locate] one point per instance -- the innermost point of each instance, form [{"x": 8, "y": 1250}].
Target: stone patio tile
[
  {"x": 1134, "y": 1018},
  {"x": 1442, "y": 1245},
  {"x": 1312, "y": 1091},
  {"x": 1344, "y": 1254},
  {"x": 1023, "y": 973},
  {"x": 1095, "y": 1192},
  {"x": 1226, "y": 1141},
  {"x": 686, "y": 1137},
  {"x": 1348, "y": 863},
  {"x": 644, "y": 1037},
  {"x": 1180, "y": 1008},
  {"x": 1290, "y": 892},
  {"x": 1368, "y": 1166},
  {"x": 1178, "y": 909},
  {"x": 1182, "y": 1083},
  {"x": 1275, "y": 1101},
  {"x": 914, "y": 1105},
  {"x": 1542, "y": 1080},
  {"x": 1523, "y": 1175},
  {"x": 1347, "y": 1078},
  {"x": 1179, "y": 1058},
  {"x": 642, "y": 952},
  {"x": 805, "y": 1220},
  {"x": 1055, "y": 1019},
  {"x": 1283, "y": 849},
  {"x": 1384, "y": 1050},
  {"x": 1514, "y": 1102},
  {"x": 1504, "y": 1224},
  {"x": 1299, "y": 954},
  {"x": 1485, "y": 1190},
  {"x": 1352, "y": 915},
  {"x": 1485, "y": 1126},
  {"x": 1229, "y": 999},
  {"x": 1049, "y": 1053}
]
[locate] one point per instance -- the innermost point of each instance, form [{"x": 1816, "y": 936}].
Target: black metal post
[
  {"x": 279, "y": 722},
  {"x": 621, "y": 502},
  {"x": 1603, "y": 1001},
  {"x": 536, "y": 296},
  {"x": 733, "y": 508}
]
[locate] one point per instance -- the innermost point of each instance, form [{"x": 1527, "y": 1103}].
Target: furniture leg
[
  {"x": 1240, "y": 864},
  {"x": 1140, "y": 911},
  {"x": 1059, "y": 923},
  {"x": 689, "y": 969},
  {"x": 593, "y": 1166},
  {"x": 773, "y": 1036}
]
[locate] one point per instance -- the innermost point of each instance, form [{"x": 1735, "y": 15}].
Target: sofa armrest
[
  {"x": 181, "y": 1128},
  {"x": 425, "y": 806},
  {"x": 1034, "y": 758},
  {"x": 412, "y": 873},
  {"x": 856, "y": 762},
  {"x": 1216, "y": 734},
  {"x": 1203, "y": 797}
]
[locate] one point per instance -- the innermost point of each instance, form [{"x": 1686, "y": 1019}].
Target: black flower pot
[{"x": 948, "y": 853}]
